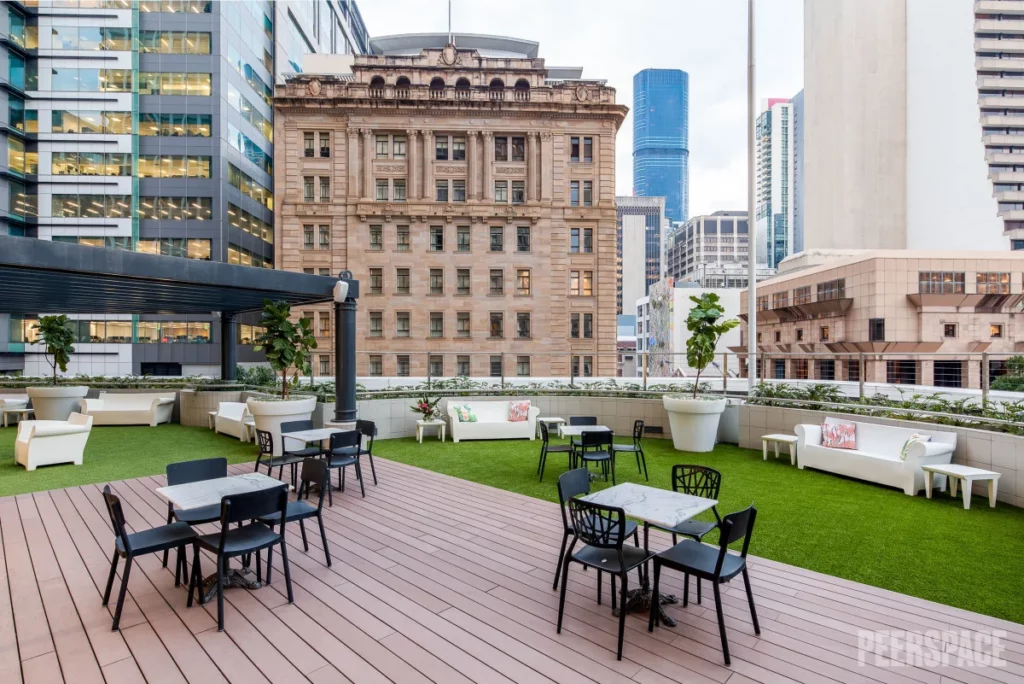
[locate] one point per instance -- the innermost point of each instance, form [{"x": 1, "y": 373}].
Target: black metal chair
[
  {"x": 314, "y": 472},
  {"x": 251, "y": 536},
  {"x": 636, "y": 447},
  {"x": 176, "y": 535},
  {"x": 295, "y": 450},
  {"x": 596, "y": 447},
  {"x": 344, "y": 452},
  {"x": 582, "y": 421},
  {"x": 577, "y": 483},
  {"x": 194, "y": 471},
  {"x": 368, "y": 429},
  {"x": 266, "y": 458},
  {"x": 716, "y": 565},
  {"x": 602, "y": 529},
  {"x": 546, "y": 448}
]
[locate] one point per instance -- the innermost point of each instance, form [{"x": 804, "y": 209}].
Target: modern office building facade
[
  {"x": 775, "y": 187},
  {"x": 712, "y": 251},
  {"x": 799, "y": 116},
  {"x": 148, "y": 126},
  {"x": 639, "y": 247},
  {"x": 469, "y": 187},
  {"x": 883, "y": 81},
  {"x": 661, "y": 138}
]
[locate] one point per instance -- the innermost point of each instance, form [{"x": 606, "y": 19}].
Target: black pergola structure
[{"x": 40, "y": 276}]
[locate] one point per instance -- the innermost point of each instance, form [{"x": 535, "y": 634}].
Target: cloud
[{"x": 614, "y": 40}]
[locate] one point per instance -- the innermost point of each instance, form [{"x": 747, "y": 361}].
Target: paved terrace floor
[{"x": 434, "y": 579}]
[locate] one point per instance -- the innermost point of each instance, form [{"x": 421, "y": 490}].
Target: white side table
[
  {"x": 209, "y": 418},
  {"x": 779, "y": 439},
  {"x": 21, "y": 413},
  {"x": 420, "y": 424},
  {"x": 965, "y": 476},
  {"x": 248, "y": 428},
  {"x": 549, "y": 421}
]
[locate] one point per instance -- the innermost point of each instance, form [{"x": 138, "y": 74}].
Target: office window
[
  {"x": 799, "y": 334},
  {"x": 995, "y": 330},
  {"x": 501, "y": 191},
  {"x": 462, "y": 324},
  {"x": 949, "y": 330},
  {"x": 325, "y": 324},
  {"x": 325, "y": 237},
  {"x": 71, "y": 163},
  {"x": 462, "y": 366},
  {"x": 778, "y": 336},
  {"x": 402, "y": 324},
  {"x": 324, "y": 272},
  {"x": 398, "y": 189},
  {"x": 307, "y": 237},
  {"x": 574, "y": 283},
  {"x": 436, "y": 324},
  {"x": 824, "y": 333},
  {"x": 497, "y": 324},
  {"x": 325, "y": 189},
  {"x": 588, "y": 149},
  {"x": 382, "y": 189},
  {"x": 496, "y": 371},
  {"x": 780, "y": 299},
  {"x": 523, "y": 282},
  {"x": 437, "y": 281},
  {"x": 436, "y": 238},
  {"x": 462, "y": 281},
  {"x": 160, "y": 42},
  {"x": 588, "y": 193},
  {"x": 801, "y": 295},
  {"x": 940, "y": 282},
  {"x": 876, "y": 330},
  {"x": 993, "y": 283},
  {"x": 441, "y": 148},
  {"x": 403, "y": 365},
  {"x": 402, "y": 238},
  {"x": 497, "y": 239},
  {"x": 523, "y": 366},
  {"x": 458, "y": 148},
  {"x": 586, "y": 283},
  {"x": 308, "y": 144},
  {"x": 588, "y": 366},
  {"x": 581, "y": 240},
  {"x": 174, "y": 166},
  {"x": 574, "y": 149},
  {"x": 497, "y": 281},
  {"x": 402, "y": 275},
  {"x": 398, "y": 147},
  {"x": 376, "y": 281},
  {"x": 834, "y": 289},
  {"x": 382, "y": 147},
  {"x": 518, "y": 192},
  {"x": 458, "y": 190},
  {"x": 376, "y": 365},
  {"x": 574, "y": 326},
  {"x": 523, "y": 239},
  {"x": 462, "y": 235},
  {"x": 588, "y": 326},
  {"x": 441, "y": 190},
  {"x": 376, "y": 324},
  {"x": 518, "y": 148},
  {"x": 155, "y": 83},
  {"x": 436, "y": 366},
  {"x": 325, "y": 143},
  {"x": 200, "y": 209},
  {"x": 500, "y": 149},
  {"x": 574, "y": 193}
]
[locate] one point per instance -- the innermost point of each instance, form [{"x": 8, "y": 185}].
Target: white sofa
[
  {"x": 141, "y": 408},
  {"x": 230, "y": 419},
  {"x": 491, "y": 421},
  {"x": 46, "y": 442},
  {"x": 877, "y": 456}
]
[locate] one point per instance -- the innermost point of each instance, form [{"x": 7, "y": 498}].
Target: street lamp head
[{"x": 340, "y": 291}]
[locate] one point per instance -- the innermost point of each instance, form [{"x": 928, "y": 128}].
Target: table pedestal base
[
  {"x": 244, "y": 578},
  {"x": 639, "y": 601}
]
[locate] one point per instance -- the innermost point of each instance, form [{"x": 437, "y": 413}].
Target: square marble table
[
  {"x": 315, "y": 435},
  {"x": 578, "y": 430},
  {"x": 210, "y": 492}
]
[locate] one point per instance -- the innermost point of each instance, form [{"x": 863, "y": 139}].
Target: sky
[{"x": 613, "y": 40}]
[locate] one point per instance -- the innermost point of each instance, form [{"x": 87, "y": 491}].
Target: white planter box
[
  {"x": 694, "y": 422},
  {"x": 55, "y": 403},
  {"x": 268, "y": 415}
]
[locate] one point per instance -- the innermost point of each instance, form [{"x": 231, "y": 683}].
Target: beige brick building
[
  {"x": 952, "y": 306},
  {"x": 472, "y": 196}
]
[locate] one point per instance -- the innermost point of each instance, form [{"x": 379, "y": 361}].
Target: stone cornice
[{"x": 614, "y": 114}]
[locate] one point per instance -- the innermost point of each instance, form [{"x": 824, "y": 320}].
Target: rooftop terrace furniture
[
  {"x": 314, "y": 472},
  {"x": 230, "y": 419},
  {"x": 547, "y": 448},
  {"x": 491, "y": 421},
  {"x": 194, "y": 471},
  {"x": 344, "y": 452},
  {"x": 635, "y": 447},
  {"x": 48, "y": 442},
  {"x": 133, "y": 408}
]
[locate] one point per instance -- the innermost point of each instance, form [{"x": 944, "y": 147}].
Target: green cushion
[{"x": 465, "y": 413}]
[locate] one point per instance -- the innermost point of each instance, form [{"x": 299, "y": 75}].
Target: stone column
[
  {"x": 488, "y": 164},
  {"x": 411, "y": 164},
  {"x": 353, "y": 163},
  {"x": 472, "y": 166},
  {"x": 547, "y": 166},
  {"x": 427, "y": 191},
  {"x": 531, "y": 167},
  {"x": 368, "y": 192}
]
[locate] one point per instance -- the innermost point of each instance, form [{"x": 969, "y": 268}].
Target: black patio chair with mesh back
[
  {"x": 314, "y": 472},
  {"x": 694, "y": 480},
  {"x": 194, "y": 471},
  {"x": 368, "y": 429},
  {"x": 547, "y": 448},
  {"x": 636, "y": 447},
  {"x": 251, "y": 536},
  {"x": 596, "y": 447},
  {"x": 266, "y": 459},
  {"x": 344, "y": 452},
  {"x": 602, "y": 529},
  {"x": 176, "y": 535},
  {"x": 715, "y": 565},
  {"x": 582, "y": 421}
]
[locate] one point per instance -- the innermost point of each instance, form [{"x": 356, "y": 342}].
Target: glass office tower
[
  {"x": 661, "y": 138},
  {"x": 147, "y": 125}
]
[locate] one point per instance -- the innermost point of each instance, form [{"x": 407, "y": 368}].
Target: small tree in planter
[
  {"x": 694, "y": 420},
  {"x": 56, "y": 335},
  {"x": 287, "y": 345}
]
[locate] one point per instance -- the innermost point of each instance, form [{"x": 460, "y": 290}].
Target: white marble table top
[
  {"x": 780, "y": 438},
  {"x": 210, "y": 492},
  {"x": 578, "y": 430},
  {"x": 650, "y": 504},
  {"x": 957, "y": 470},
  {"x": 316, "y": 435}
]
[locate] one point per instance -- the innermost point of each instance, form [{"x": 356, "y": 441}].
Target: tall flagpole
[{"x": 751, "y": 208}]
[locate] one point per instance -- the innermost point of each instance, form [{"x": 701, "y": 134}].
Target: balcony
[
  {"x": 1001, "y": 102},
  {"x": 1001, "y": 83},
  {"x": 1004, "y": 26},
  {"x": 999, "y": 7},
  {"x": 1007, "y": 177},
  {"x": 1007, "y": 45}
]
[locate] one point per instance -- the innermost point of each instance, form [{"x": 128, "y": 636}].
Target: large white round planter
[
  {"x": 694, "y": 422},
  {"x": 268, "y": 415},
  {"x": 55, "y": 403}
]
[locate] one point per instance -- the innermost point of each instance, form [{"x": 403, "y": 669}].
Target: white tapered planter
[
  {"x": 55, "y": 403},
  {"x": 268, "y": 415},
  {"x": 694, "y": 422}
]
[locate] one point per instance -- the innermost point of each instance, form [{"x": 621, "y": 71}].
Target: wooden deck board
[{"x": 433, "y": 579}]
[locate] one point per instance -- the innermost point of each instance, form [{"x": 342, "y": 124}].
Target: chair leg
[
  {"x": 643, "y": 459},
  {"x": 259, "y": 565},
  {"x": 686, "y": 589},
  {"x": 330, "y": 492},
  {"x": 373, "y": 471},
  {"x": 622, "y": 613},
  {"x": 611, "y": 466},
  {"x": 220, "y": 593},
  {"x": 561, "y": 559},
  {"x": 110, "y": 579},
  {"x": 170, "y": 519},
  {"x": 323, "y": 538},
  {"x": 613, "y": 591},
  {"x": 540, "y": 465},
  {"x": 197, "y": 578},
  {"x": 305, "y": 543},
  {"x": 750, "y": 600},
  {"x": 270, "y": 559},
  {"x": 287, "y": 570},
  {"x": 341, "y": 477},
  {"x": 359, "y": 475},
  {"x": 654, "y": 597},
  {"x": 178, "y": 557},
  {"x": 599, "y": 576},
  {"x": 721, "y": 621},
  {"x": 561, "y": 596},
  {"x": 120, "y": 594},
  {"x": 294, "y": 474}
]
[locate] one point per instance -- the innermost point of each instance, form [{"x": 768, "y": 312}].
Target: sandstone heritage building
[{"x": 470, "y": 189}]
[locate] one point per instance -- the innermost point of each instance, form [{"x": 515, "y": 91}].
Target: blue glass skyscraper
[{"x": 661, "y": 138}]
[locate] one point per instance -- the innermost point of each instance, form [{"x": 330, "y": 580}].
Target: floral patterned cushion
[
  {"x": 518, "y": 411},
  {"x": 465, "y": 413},
  {"x": 913, "y": 438},
  {"x": 839, "y": 435}
]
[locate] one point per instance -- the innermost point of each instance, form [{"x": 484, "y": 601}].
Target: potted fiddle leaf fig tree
[
  {"x": 694, "y": 419},
  {"x": 58, "y": 340},
  {"x": 289, "y": 348}
]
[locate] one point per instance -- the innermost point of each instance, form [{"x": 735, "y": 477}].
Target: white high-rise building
[{"x": 775, "y": 199}]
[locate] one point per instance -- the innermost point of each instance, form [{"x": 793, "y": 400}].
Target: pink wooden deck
[{"x": 434, "y": 580}]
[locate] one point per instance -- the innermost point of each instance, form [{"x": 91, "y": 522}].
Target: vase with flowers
[{"x": 427, "y": 407}]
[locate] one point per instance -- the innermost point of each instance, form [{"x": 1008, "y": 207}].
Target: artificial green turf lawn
[{"x": 932, "y": 549}]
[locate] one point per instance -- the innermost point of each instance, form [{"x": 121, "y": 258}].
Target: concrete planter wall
[{"x": 979, "y": 448}]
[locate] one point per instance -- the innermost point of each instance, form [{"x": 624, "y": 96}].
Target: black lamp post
[{"x": 345, "y": 294}]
